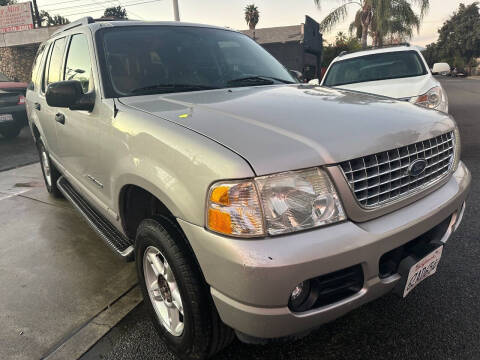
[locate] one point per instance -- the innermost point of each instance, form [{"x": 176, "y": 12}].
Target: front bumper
[
  {"x": 19, "y": 114},
  {"x": 251, "y": 280}
]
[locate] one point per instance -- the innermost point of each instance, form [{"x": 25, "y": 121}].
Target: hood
[
  {"x": 395, "y": 88},
  {"x": 287, "y": 127}
]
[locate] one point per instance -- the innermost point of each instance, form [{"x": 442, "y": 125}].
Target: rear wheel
[
  {"x": 175, "y": 293},
  {"x": 50, "y": 172},
  {"x": 10, "y": 131}
]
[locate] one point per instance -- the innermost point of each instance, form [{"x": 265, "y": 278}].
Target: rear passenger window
[
  {"x": 36, "y": 66},
  {"x": 55, "y": 65},
  {"x": 78, "y": 66}
]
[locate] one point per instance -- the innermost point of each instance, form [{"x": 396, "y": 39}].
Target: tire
[
  {"x": 203, "y": 333},
  {"x": 10, "y": 132},
  {"x": 49, "y": 171}
]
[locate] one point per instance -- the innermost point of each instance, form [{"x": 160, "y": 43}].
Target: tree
[
  {"x": 48, "y": 20},
  {"x": 7, "y": 2},
  {"x": 342, "y": 43},
  {"x": 459, "y": 37},
  {"x": 251, "y": 16},
  {"x": 382, "y": 14},
  {"x": 395, "y": 26},
  {"x": 116, "y": 12}
]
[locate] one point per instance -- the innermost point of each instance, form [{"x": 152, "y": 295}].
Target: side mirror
[
  {"x": 441, "y": 68},
  {"x": 69, "y": 94},
  {"x": 297, "y": 75}
]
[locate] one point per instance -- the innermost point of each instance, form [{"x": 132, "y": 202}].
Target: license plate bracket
[{"x": 416, "y": 268}]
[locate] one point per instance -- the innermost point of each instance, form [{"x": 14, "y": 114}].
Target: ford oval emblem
[{"x": 417, "y": 167}]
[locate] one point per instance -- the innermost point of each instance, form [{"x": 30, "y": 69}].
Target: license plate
[
  {"x": 6, "y": 118},
  {"x": 422, "y": 270}
]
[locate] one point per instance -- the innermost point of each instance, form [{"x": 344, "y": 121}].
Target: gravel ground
[{"x": 439, "y": 320}]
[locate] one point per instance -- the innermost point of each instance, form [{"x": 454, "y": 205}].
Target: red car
[{"x": 13, "y": 116}]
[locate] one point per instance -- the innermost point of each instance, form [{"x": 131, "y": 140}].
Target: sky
[{"x": 230, "y": 13}]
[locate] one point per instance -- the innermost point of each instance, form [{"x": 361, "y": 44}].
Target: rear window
[{"x": 383, "y": 66}]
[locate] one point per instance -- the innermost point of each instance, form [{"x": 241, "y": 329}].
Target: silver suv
[{"x": 253, "y": 205}]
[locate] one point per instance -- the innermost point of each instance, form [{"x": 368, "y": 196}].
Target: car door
[
  {"x": 78, "y": 131},
  {"x": 46, "y": 114},
  {"x": 33, "y": 97}
]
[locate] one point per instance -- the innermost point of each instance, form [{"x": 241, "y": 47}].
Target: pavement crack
[{"x": 37, "y": 200}]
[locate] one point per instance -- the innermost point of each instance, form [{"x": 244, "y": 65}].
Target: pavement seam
[
  {"x": 19, "y": 167},
  {"x": 56, "y": 350}
]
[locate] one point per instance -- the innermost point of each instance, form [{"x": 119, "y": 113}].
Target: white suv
[{"x": 399, "y": 72}]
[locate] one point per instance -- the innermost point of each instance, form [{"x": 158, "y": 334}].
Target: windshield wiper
[
  {"x": 258, "y": 80},
  {"x": 166, "y": 88}
]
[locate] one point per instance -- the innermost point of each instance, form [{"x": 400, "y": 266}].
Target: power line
[
  {"x": 112, "y": 2},
  {"x": 59, "y": 2},
  {"x": 101, "y": 8},
  {"x": 82, "y": 5}
]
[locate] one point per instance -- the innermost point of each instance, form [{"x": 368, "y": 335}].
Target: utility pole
[
  {"x": 176, "y": 13},
  {"x": 36, "y": 14}
]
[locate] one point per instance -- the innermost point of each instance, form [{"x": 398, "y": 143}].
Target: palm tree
[
  {"x": 378, "y": 12},
  {"x": 399, "y": 24},
  {"x": 251, "y": 16}
]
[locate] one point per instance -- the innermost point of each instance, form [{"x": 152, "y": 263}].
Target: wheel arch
[{"x": 137, "y": 204}]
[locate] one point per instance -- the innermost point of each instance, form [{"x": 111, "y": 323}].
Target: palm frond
[
  {"x": 332, "y": 19},
  {"x": 424, "y": 6}
]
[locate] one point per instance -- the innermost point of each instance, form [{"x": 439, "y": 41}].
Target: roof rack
[
  {"x": 343, "y": 53},
  {"x": 391, "y": 45},
  {"x": 83, "y": 21}
]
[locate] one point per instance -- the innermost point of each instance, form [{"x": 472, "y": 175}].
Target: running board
[{"x": 108, "y": 233}]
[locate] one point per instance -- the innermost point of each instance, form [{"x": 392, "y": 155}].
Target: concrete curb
[{"x": 82, "y": 340}]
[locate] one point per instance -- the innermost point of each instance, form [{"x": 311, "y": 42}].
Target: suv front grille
[{"x": 382, "y": 178}]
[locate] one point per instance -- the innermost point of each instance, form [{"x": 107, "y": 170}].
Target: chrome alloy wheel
[
  {"x": 46, "y": 167},
  {"x": 163, "y": 291}
]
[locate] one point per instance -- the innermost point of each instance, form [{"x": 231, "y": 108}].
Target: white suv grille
[{"x": 382, "y": 178}]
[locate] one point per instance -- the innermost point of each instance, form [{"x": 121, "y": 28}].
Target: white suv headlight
[
  {"x": 287, "y": 202},
  {"x": 432, "y": 99}
]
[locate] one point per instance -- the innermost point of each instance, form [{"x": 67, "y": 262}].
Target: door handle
[
  {"x": 60, "y": 118},
  {"x": 37, "y": 106}
]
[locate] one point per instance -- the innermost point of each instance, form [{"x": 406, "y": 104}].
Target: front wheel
[
  {"x": 50, "y": 172},
  {"x": 175, "y": 293}
]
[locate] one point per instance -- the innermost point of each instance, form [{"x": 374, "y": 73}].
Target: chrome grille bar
[{"x": 381, "y": 178}]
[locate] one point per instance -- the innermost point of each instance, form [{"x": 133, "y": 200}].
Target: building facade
[{"x": 297, "y": 47}]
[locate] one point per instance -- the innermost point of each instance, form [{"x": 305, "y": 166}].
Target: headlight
[
  {"x": 432, "y": 99},
  {"x": 288, "y": 202},
  {"x": 298, "y": 200},
  {"x": 233, "y": 208}
]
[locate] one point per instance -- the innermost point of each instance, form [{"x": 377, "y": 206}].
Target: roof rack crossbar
[{"x": 83, "y": 21}]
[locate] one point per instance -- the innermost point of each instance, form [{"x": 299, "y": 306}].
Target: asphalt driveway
[
  {"x": 17, "y": 152},
  {"x": 439, "y": 320}
]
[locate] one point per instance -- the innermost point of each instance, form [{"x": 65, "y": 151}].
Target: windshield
[
  {"x": 383, "y": 66},
  {"x": 4, "y": 78},
  {"x": 163, "y": 59}
]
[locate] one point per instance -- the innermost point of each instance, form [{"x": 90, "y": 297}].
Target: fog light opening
[{"x": 301, "y": 298}]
